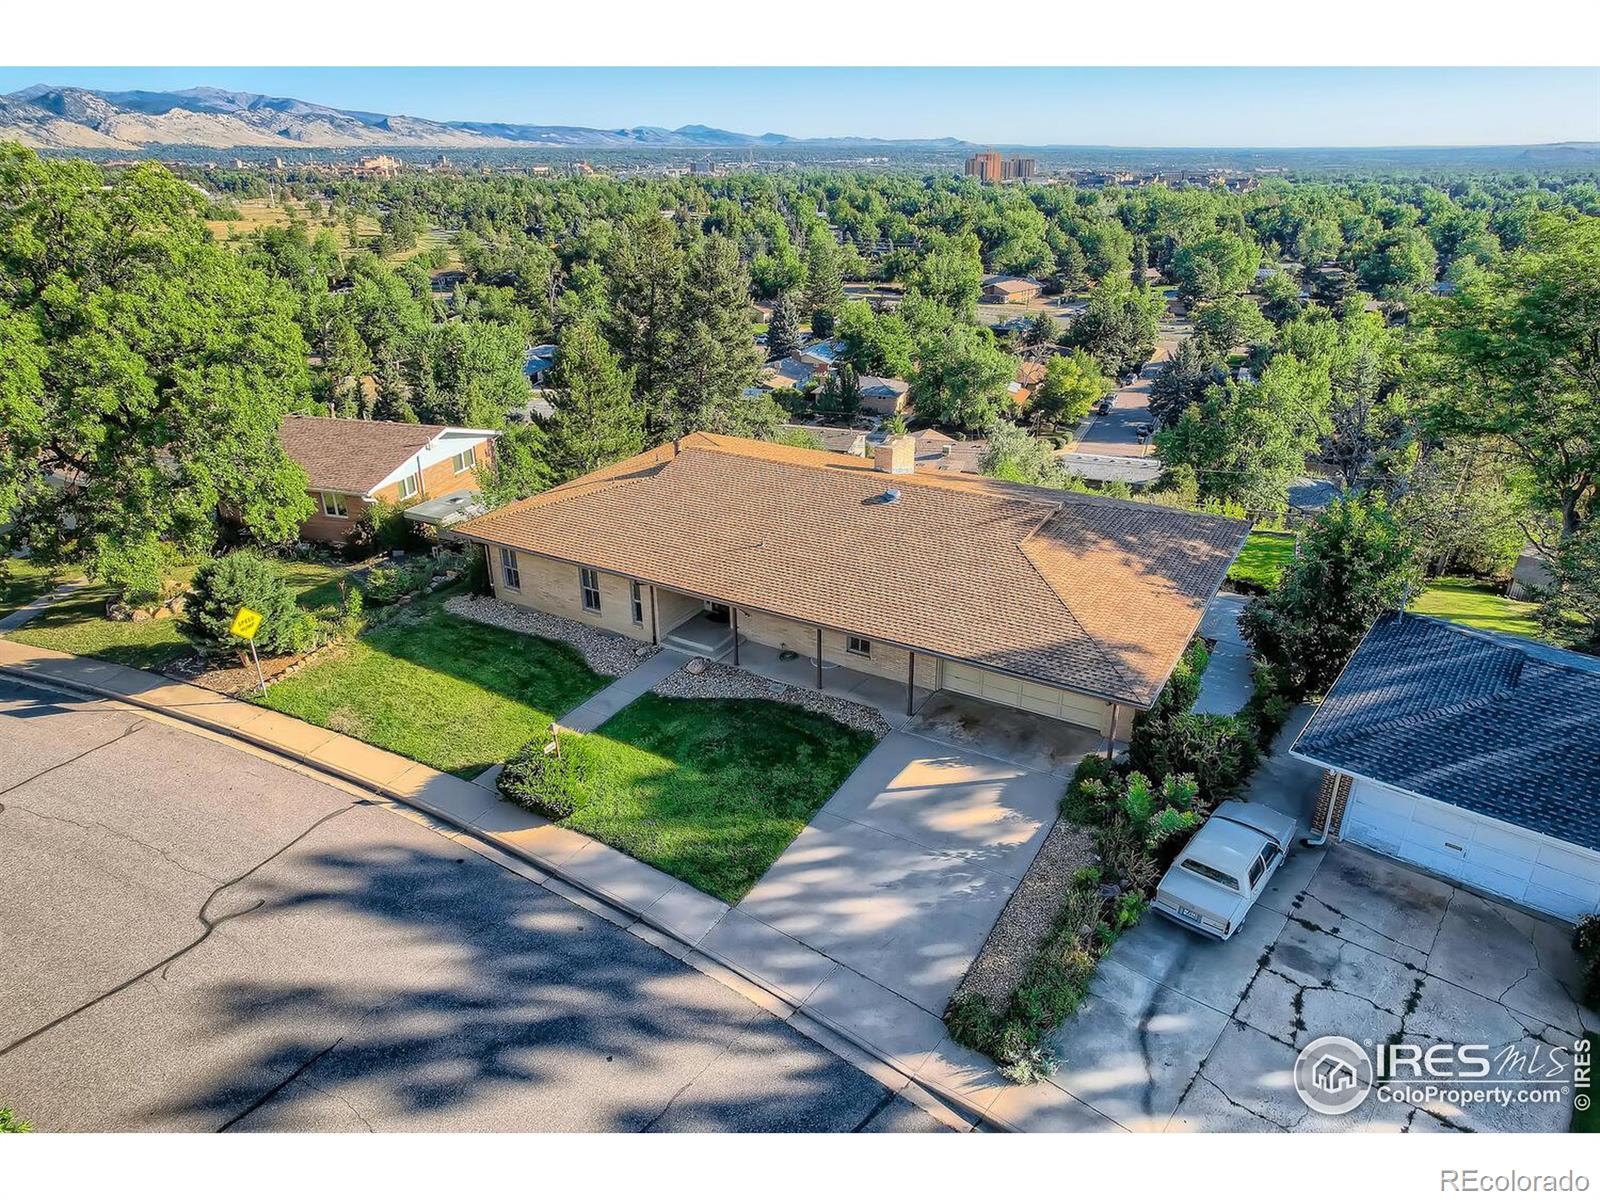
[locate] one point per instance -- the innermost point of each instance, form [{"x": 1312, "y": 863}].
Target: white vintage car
[{"x": 1226, "y": 865}]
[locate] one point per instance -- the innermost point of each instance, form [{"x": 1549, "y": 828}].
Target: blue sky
[{"x": 1157, "y": 106}]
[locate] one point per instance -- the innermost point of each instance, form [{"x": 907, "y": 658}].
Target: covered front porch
[{"x": 802, "y": 656}]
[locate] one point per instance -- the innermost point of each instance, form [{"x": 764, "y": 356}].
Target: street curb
[{"x": 959, "y": 1114}]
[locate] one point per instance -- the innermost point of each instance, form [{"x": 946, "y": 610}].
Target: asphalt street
[{"x": 196, "y": 938}]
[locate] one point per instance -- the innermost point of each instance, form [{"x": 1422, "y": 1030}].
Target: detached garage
[{"x": 1475, "y": 756}]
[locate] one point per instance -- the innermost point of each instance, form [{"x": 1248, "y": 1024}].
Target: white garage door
[
  {"x": 1530, "y": 868},
  {"x": 1019, "y": 693}
]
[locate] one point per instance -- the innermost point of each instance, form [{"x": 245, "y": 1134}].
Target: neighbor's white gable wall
[{"x": 446, "y": 445}]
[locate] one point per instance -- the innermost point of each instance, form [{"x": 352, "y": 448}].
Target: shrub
[
  {"x": 1089, "y": 793},
  {"x": 550, "y": 784},
  {"x": 11, "y": 1123},
  {"x": 383, "y": 527},
  {"x": 1586, "y": 939},
  {"x": 477, "y": 572},
  {"x": 1269, "y": 705},
  {"x": 385, "y": 585},
  {"x": 139, "y": 572},
  {"x": 245, "y": 579},
  {"x": 1218, "y": 751}
]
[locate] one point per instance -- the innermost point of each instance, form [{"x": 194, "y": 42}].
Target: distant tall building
[
  {"x": 986, "y": 166},
  {"x": 989, "y": 167}
]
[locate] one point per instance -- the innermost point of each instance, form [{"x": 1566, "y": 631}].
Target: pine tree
[
  {"x": 596, "y": 418},
  {"x": 783, "y": 331},
  {"x": 716, "y": 359},
  {"x": 824, "y": 284},
  {"x": 646, "y": 277}
]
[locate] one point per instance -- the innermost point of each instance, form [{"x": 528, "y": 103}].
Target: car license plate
[{"x": 1188, "y": 914}]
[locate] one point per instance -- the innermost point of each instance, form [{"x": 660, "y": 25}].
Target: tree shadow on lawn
[{"x": 479, "y": 1001}]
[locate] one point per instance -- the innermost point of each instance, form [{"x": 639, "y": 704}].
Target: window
[
  {"x": 589, "y": 584},
  {"x": 508, "y": 569},
  {"x": 333, "y": 505},
  {"x": 856, "y": 645},
  {"x": 408, "y": 487},
  {"x": 466, "y": 460},
  {"x": 636, "y": 595},
  {"x": 1259, "y": 867},
  {"x": 1211, "y": 873}
]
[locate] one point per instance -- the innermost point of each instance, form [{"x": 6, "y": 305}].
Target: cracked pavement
[
  {"x": 198, "y": 938},
  {"x": 1182, "y": 1033}
]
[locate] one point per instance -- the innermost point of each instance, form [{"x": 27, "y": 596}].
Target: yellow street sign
[{"x": 245, "y": 623}]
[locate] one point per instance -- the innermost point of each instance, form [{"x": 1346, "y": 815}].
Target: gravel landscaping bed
[
  {"x": 721, "y": 682},
  {"x": 1028, "y": 916},
  {"x": 607, "y": 653}
]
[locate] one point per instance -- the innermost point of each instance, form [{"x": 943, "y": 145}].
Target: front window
[
  {"x": 636, "y": 595},
  {"x": 508, "y": 569},
  {"x": 1211, "y": 873},
  {"x": 858, "y": 645},
  {"x": 333, "y": 505},
  {"x": 589, "y": 585},
  {"x": 1259, "y": 867},
  {"x": 408, "y": 487},
  {"x": 466, "y": 460}
]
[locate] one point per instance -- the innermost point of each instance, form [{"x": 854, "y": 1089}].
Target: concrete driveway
[
  {"x": 873, "y": 914},
  {"x": 1183, "y": 1033}
]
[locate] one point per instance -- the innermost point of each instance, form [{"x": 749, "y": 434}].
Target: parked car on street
[
  {"x": 1103, "y": 405},
  {"x": 1224, "y": 867}
]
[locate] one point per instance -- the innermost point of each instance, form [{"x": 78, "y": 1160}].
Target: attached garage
[
  {"x": 1529, "y": 868},
  {"x": 1473, "y": 755},
  {"x": 1063, "y": 705}
]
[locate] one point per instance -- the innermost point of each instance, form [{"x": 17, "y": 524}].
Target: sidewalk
[
  {"x": 802, "y": 986},
  {"x": 1226, "y": 686},
  {"x": 621, "y": 692},
  {"x": 20, "y": 617}
]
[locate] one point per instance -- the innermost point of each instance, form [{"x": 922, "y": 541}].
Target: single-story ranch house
[
  {"x": 351, "y": 465},
  {"x": 1070, "y": 605},
  {"x": 1474, "y": 755}
]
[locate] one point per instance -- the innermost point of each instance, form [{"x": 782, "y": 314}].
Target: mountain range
[{"x": 69, "y": 118}]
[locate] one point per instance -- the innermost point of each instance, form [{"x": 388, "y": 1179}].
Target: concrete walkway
[
  {"x": 899, "y": 1043},
  {"x": 20, "y": 617},
  {"x": 621, "y": 692},
  {"x": 1225, "y": 687}
]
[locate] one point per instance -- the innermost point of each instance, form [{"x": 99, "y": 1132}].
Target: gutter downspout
[{"x": 1320, "y": 837}]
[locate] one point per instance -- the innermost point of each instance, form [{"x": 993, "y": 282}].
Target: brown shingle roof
[
  {"x": 1083, "y": 592},
  {"x": 341, "y": 455}
]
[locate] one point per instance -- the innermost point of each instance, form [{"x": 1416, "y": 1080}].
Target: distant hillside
[{"x": 68, "y": 118}]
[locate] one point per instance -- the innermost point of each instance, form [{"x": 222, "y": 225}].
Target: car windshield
[{"x": 1211, "y": 873}]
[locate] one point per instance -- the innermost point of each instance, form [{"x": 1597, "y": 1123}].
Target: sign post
[{"x": 245, "y": 623}]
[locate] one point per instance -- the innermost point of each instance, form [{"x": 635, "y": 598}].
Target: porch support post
[
  {"x": 655, "y": 639},
  {"x": 1111, "y": 730},
  {"x": 734, "y": 611},
  {"x": 819, "y": 658},
  {"x": 911, "y": 684}
]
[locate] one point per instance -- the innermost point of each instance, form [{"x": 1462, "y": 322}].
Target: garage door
[
  {"x": 1018, "y": 693},
  {"x": 1491, "y": 856}
]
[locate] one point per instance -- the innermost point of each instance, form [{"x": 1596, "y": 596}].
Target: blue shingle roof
[{"x": 1501, "y": 726}]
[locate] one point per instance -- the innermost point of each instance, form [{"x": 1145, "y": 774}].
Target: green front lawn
[
  {"x": 1481, "y": 605},
  {"x": 1263, "y": 559},
  {"x": 77, "y": 624},
  {"x": 712, "y": 791},
  {"x": 454, "y": 694},
  {"x": 21, "y": 582}
]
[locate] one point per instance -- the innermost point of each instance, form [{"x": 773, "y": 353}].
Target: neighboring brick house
[
  {"x": 351, "y": 465},
  {"x": 1070, "y": 605},
  {"x": 1011, "y": 289}
]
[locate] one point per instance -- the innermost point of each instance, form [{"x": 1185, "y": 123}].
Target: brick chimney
[{"x": 897, "y": 456}]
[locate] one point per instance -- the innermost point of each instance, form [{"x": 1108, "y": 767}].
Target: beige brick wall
[
  {"x": 673, "y": 609},
  {"x": 890, "y": 662},
  {"x": 552, "y": 587}
]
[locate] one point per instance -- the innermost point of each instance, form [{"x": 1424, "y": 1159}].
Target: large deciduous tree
[
  {"x": 1354, "y": 563},
  {"x": 1517, "y": 361},
  {"x": 144, "y": 371}
]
